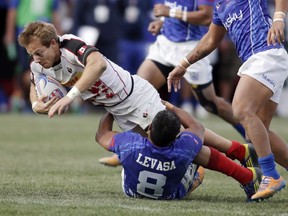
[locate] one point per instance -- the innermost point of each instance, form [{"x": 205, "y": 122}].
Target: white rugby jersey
[{"x": 114, "y": 85}]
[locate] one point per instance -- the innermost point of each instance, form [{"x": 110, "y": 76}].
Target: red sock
[
  {"x": 221, "y": 163},
  {"x": 236, "y": 151}
]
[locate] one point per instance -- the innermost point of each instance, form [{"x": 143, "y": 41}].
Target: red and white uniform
[{"x": 131, "y": 99}]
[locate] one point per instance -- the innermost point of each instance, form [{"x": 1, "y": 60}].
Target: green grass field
[{"x": 50, "y": 167}]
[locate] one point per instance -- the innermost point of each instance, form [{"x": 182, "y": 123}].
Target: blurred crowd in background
[{"x": 118, "y": 28}]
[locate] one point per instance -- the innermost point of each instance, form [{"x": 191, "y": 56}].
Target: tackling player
[{"x": 159, "y": 166}]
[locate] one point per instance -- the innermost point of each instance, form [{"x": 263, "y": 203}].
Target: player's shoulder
[
  {"x": 129, "y": 139},
  {"x": 71, "y": 42},
  {"x": 69, "y": 37},
  {"x": 71, "y": 46},
  {"x": 186, "y": 133},
  {"x": 188, "y": 136},
  {"x": 128, "y": 135},
  {"x": 127, "y": 143}
]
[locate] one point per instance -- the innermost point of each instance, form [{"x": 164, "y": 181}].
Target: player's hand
[
  {"x": 161, "y": 10},
  {"x": 276, "y": 33},
  {"x": 155, "y": 27},
  {"x": 174, "y": 78},
  {"x": 43, "y": 107},
  {"x": 60, "y": 107}
]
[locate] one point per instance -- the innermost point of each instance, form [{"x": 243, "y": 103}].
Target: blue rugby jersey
[
  {"x": 179, "y": 31},
  {"x": 247, "y": 22},
  {"x": 154, "y": 172}
]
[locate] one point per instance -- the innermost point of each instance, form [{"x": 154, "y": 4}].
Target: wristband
[
  {"x": 280, "y": 12},
  {"x": 278, "y": 19},
  {"x": 172, "y": 12},
  {"x": 73, "y": 93},
  {"x": 184, "y": 16},
  {"x": 182, "y": 66}
]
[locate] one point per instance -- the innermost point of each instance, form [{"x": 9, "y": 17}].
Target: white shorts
[
  {"x": 139, "y": 108},
  {"x": 270, "y": 68},
  {"x": 170, "y": 53}
]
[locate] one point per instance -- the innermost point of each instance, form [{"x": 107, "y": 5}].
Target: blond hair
[{"x": 37, "y": 30}]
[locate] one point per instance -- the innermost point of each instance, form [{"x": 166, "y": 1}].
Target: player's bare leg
[
  {"x": 247, "y": 107},
  {"x": 150, "y": 72}
]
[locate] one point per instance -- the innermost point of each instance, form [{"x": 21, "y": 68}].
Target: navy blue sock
[
  {"x": 240, "y": 130},
  {"x": 268, "y": 166}
]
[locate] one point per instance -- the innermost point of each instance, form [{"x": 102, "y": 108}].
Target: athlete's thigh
[
  {"x": 150, "y": 72},
  {"x": 202, "y": 158},
  {"x": 250, "y": 94}
]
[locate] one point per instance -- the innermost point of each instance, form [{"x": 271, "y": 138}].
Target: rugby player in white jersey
[{"x": 132, "y": 100}]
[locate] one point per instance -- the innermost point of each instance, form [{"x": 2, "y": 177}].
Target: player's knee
[
  {"x": 222, "y": 105},
  {"x": 242, "y": 113},
  {"x": 238, "y": 113}
]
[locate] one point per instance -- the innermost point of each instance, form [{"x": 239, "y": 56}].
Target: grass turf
[{"x": 49, "y": 167}]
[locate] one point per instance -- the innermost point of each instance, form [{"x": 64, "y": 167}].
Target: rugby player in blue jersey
[
  {"x": 258, "y": 40},
  {"x": 160, "y": 166}
]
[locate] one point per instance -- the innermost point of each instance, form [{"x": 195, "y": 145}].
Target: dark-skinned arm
[{"x": 105, "y": 131}]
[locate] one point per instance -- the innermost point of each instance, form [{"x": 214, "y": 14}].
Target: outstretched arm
[
  {"x": 105, "y": 131},
  {"x": 206, "y": 45}
]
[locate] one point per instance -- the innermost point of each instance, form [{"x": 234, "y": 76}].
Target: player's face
[{"x": 45, "y": 56}]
